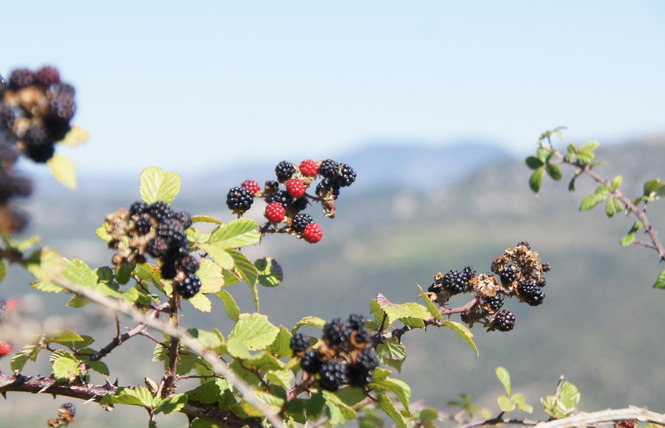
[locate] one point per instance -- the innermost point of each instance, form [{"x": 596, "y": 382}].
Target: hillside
[{"x": 599, "y": 325}]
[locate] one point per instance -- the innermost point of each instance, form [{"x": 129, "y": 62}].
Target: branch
[
  {"x": 212, "y": 358},
  {"x": 607, "y": 416},
  {"x": 117, "y": 341}
]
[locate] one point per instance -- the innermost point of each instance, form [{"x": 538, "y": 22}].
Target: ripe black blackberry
[
  {"x": 542, "y": 282},
  {"x": 160, "y": 210},
  {"x": 357, "y": 377},
  {"x": 184, "y": 218},
  {"x": 239, "y": 199},
  {"x": 329, "y": 169},
  {"x": 545, "y": 267},
  {"x": 367, "y": 360},
  {"x": 56, "y": 127},
  {"x": 38, "y": 146},
  {"x": 507, "y": 275},
  {"x": 63, "y": 106},
  {"x": 454, "y": 282},
  {"x": 336, "y": 332},
  {"x": 494, "y": 302},
  {"x": 169, "y": 269},
  {"x": 284, "y": 170},
  {"x": 281, "y": 196},
  {"x": 189, "y": 264},
  {"x": 143, "y": 224},
  {"x": 299, "y": 343},
  {"x": 435, "y": 288},
  {"x": 326, "y": 186},
  {"x": 356, "y": 322},
  {"x": 333, "y": 374},
  {"x": 310, "y": 362},
  {"x": 299, "y": 204},
  {"x": 504, "y": 320},
  {"x": 138, "y": 207},
  {"x": 468, "y": 272},
  {"x": 189, "y": 286},
  {"x": 157, "y": 247},
  {"x": 21, "y": 78},
  {"x": 172, "y": 231},
  {"x": 300, "y": 222},
  {"x": 530, "y": 292},
  {"x": 347, "y": 175}
]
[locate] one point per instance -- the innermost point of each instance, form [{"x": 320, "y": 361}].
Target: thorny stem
[{"x": 168, "y": 382}]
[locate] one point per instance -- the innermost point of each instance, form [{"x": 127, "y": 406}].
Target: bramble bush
[{"x": 258, "y": 373}]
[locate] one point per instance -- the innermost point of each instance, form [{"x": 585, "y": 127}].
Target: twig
[
  {"x": 117, "y": 341},
  {"x": 606, "y": 416}
]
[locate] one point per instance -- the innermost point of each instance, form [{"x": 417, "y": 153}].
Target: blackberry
[
  {"x": 281, "y": 196},
  {"x": 271, "y": 186},
  {"x": 143, "y": 224},
  {"x": 357, "y": 377},
  {"x": 530, "y": 292},
  {"x": 310, "y": 362},
  {"x": 41, "y": 153},
  {"x": 326, "y": 186},
  {"x": 299, "y": 204},
  {"x": 507, "y": 275},
  {"x": 542, "y": 282},
  {"x": 157, "y": 247},
  {"x": 336, "y": 332},
  {"x": 70, "y": 409},
  {"x": 454, "y": 282},
  {"x": 56, "y": 127},
  {"x": 525, "y": 243},
  {"x": 160, "y": 210},
  {"x": 360, "y": 338},
  {"x": 545, "y": 267},
  {"x": 333, "y": 375},
  {"x": 21, "y": 78},
  {"x": 284, "y": 170},
  {"x": 38, "y": 146},
  {"x": 468, "y": 272},
  {"x": 189, "y": 286},
  {"x": 504, "y": 320},
  {"x": 239, "y": 199},
  {"x": 367, "y": 360},
  {"x": 47, "y": 76},
  {"x": 138, "y": 207},
  {"x": 435, "y": 288},
  {"x": 356, "y": 322},
  {"x": 63, "y": 105},
  {"x": 7, "y": 116},
  {"x": 172, "y": 231},
  {"x": 348, "y": 175},
  {"x": 189, "y": 264},
  {"x": 3, "y": 87},
  {"x": 329, "y": 169},
  {"x": 184, "y": 218},
  {"x": 494, "y": 302},
  {"x": 299, "y": 343},
  {"x": 168, "y": 269},
  {"x": 300, "y": 222}
]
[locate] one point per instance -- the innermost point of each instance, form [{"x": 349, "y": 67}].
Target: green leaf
[
  {"x": 172, "y": 404},
  {"x": 99, "y": 367},
  {"x": 464, "y": 332},
  {"x": 201, "y": 302},
  {"x": 391, "y": 350},
  {"x": 651, "y": 187},
  {"x": 238, "y": 233},
  {"x": 205, "y": 219},
  {"x": 66, "y": 367},
  {"x": 571, "y": 148},
  {"x": 310, "y": 320},
  {"x": 253, "y": 331},
  {"x": 245, "y": 267},
  {"x": 521, "y": 404},
  {"x": 504, "y": 378},
  {"x": 75, "y": 137},
  {"x": 45, "y": 264},
  {"x": 63, "y": 336},
  {"x": 46, "y": 287},
  {"x": 660, "y": 282},
  {"x": 230, "y": 305},
  {"x": 394, "y": 311},
  {"x": 505, "y": 404},
  {"x": 213, "y": 340},
  {"x": 428, "y": 414},
  {"x": 139, "y": 396},
  {"x": 542, "y": 154},
  {"x": 628, "y": 239},
  {"x": 272, "y": 402},
  {"x": 400, "y": 388},
  {"x": 613, "y": 206},
  {"x": 553, "y": 171},
  {"x": 536, "y": 179},
  {"x": 203, "y": 423},
  {"x": 27, "y": 353},
  {"x": 281, "y": 346},
  {"x": 585, "y": 156},
  {"x": 270, "y": 272},
  {"x": 391, "y": 410},
  {"x": 158, "y": 185},
  {"x": 430, "y": 305},
  {"x": 600, "y": 195},
  {"x": 63, "y": 170},
  {"x": 211, "y": 277},
  {"x": 616, "y": 182},
  {"x": 533, "y": 162},
  {"x": 210, "y": 391},
  {"x": 3, "y": 269},
  {"x": 219, "y": 255},
  {"x": 78, "y": 272},
  {"x": 564, "y": 403},
  {"x": 590, "y": 146},
  {"x": 338, "y": 410}
]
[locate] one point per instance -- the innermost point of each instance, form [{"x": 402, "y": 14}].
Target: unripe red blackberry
[
  {"x": 300, "y": 222},
  {"x": 5, "y": 348},
  {"x": 336, "y": 332},
  {"x": 309, "y": 168},
  {"x": 333, "y": 374},
  {"x": 21, "y": 78},
  {"x": 252, "y": 186},
  {"x": 312, "y": 233},
  {"x": 48, "y": 75},
  {"x": 284, "y": 170},
  {"x": 504, "y": 320},
  {"x": 275, "y": 212},
  {"x": 347, "y": 175},
  {"x": 310, "y": 362},
  {"x": 494, "y": 302},
  {"x": 507, "y": 275},
  {"x": 189, "y": 286},
  {"x": 295, "y": 187},
  {"x": 239, "y": 199},
  {"x": 329, "y": 169},
  {"x": 454, "y": 282},
  {"x": 299, "y": 343}
]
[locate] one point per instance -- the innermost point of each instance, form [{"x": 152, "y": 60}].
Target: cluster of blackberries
[
  {"x": 285, "y": 205},
  {"x": 520, "y": 273},
  {"x": 346, "y": 355},
  {"x": 66, "y": 416},
  {"x": 36, "y": 109},
  {"x": 159, "y": 231}
]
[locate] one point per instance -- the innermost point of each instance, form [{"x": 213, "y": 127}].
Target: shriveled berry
[
  {"x": 69, "y": 409},
  {"x": 295, "y": 187},
  {"x": 525, "y": 243},
  {"x": 309, "y": 168},
  {"x": 275, "y": 212},
  {"x": 252, "y": 186},
  {"x": 312, "y": 233}
]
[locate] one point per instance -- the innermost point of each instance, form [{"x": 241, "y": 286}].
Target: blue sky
[{"x": 214, "y": 84}]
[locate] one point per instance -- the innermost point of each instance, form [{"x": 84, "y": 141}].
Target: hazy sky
[{"x": 212, "y": 84}]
